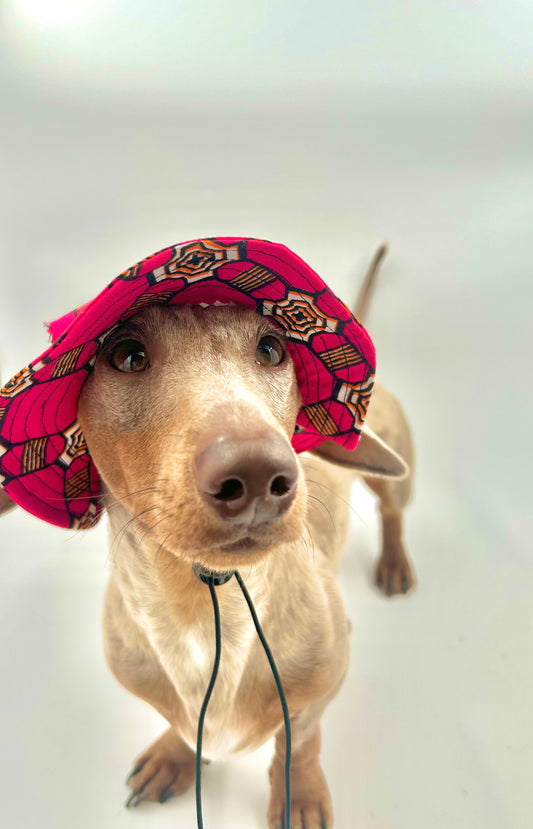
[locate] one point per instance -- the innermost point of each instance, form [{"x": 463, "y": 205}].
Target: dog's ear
[
  {"x": 5, "y": 502},
  {"x": 372, "y": 456}
]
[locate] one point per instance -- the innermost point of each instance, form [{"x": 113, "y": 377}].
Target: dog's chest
[{"x": 186, "y": 652}]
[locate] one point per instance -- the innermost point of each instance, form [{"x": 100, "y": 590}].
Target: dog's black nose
[{"x": 248, "y": 481}]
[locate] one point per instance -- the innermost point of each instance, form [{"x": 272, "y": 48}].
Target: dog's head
[
  {"x": 208, "y": 369},
  {"x": 188, "y": 416}
]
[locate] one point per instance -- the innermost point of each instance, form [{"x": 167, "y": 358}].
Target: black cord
[
  {"x": 199, "y": 819},
  {"x": 286, "y": 718},
  {"x": 212, "y": 579}
]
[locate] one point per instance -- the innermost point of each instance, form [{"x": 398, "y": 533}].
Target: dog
[{"x": 188, "y": 415}]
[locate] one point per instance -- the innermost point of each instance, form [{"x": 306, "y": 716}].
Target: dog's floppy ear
[
  {"x": 5, "y": 502},
  {"x": 372, "y": 456}
]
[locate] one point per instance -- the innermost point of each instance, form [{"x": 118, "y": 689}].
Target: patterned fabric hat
[{"x": 45, "y": 465}]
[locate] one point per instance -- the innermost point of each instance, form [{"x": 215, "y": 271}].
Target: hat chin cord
[{"x": 213, "y": 580}]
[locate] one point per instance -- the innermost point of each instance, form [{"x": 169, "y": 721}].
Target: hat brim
[{"x": 45, "y": 464}]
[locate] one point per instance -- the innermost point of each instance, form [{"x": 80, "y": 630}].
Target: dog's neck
[{"x": 148, "y": 572}]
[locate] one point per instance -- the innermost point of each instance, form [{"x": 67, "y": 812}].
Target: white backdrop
[{"x": 328, "y": 127}]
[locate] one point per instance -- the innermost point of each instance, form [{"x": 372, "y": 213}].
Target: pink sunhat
[{"x": 45, "y": 465}]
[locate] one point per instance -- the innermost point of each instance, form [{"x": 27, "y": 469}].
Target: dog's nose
[{"x": 248, "y": 481}]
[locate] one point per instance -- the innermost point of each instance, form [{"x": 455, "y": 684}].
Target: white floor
[{"x": 434, "y": 725}]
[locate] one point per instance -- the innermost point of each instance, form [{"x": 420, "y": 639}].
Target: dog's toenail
[
  {"x": 132, "y": 774},
  {"x": 166, "y": 796},
  {"x": 133, "y": 800}
]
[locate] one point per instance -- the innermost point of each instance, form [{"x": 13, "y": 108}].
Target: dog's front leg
[
  {"x": 310, "y": 798},
  {"x": 166, "y": 768}
]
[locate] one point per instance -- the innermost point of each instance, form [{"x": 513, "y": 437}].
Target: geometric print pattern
[
  {"x": 45, "y": 464},
  {"x": 343, "y": 355}
]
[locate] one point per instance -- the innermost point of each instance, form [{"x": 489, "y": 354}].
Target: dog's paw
[
  {"x": 306, "y": 815},
  {"x": 310, "y": 803},
  {"x": 166, "y": 768},
  {"x": 394, "y": 575}
]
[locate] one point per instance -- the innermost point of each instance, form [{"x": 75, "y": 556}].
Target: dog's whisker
[
  {"x": 316, "y": 502},
  {"x": 172, "y": 562},
  {"x": 125, "y": 527},
  {"x": 308, "y": 543},
  {"x": 339, "y": 497},
  {"x": 118, "y": 499}
]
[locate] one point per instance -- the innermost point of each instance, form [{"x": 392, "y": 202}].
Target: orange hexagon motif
[
  {"x": 18, "y": 383},
  {"x": 300, "y": 316},
  {"x": 196, "y": 261},
  {"x": 87, "y": 520},
  {"x": 357, "y": 397},
  {"x": 75, "y": 444}
]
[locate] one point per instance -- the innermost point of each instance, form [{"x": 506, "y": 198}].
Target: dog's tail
[{"x": 363, "y": 298}]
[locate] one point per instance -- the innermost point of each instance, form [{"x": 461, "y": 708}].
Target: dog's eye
[
  {"x": 129, "y": 355},
  {"x": 269, "y": 351}
]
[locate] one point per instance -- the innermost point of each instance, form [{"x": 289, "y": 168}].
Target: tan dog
[{"x": 197, "y": 467}]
